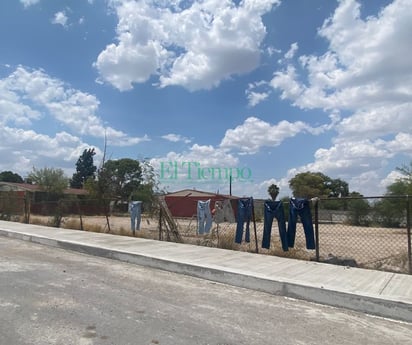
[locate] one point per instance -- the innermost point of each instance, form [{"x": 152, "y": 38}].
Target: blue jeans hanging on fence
[
  {"x": 135, "y": 209},
  {"x": 301, "y": 207},
  {"x": 204, "y": 217},
  {"x": 274, "y": 209},
  {"x": 244, "y": 215}
]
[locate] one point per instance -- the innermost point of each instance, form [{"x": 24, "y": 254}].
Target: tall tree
[
  {"x": 315, "y": 184},
  {"x": 391, "y": 211},
  {"x": 358, "y": 209},
  {"x": 309, "y": 185},
  {"x": 85, "y": 169},
  {"x": 338, "y": 187},
  {"x": 9, "y": 176},
  {"x": 125, "y": 177},
  {"x": 403, "y": 185},
  {"x": 52, "y": 181}
]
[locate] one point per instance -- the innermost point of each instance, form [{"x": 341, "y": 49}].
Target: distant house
[
  {"x": 183, "y": 203},
  {"x": 22, "y": 189},
  {"x": 16, "y": 196}
]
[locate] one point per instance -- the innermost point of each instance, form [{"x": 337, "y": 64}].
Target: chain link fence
[{"x": 372, "y": 233}]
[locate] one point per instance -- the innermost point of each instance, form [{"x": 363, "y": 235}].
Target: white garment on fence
[{"x": 224, "y": 211}]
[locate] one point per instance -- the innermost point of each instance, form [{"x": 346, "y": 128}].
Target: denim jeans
[
  {"x": 301, "y": 207},
  {"x": 204, "y": 217},
  {"x": 135, "y": 210},
  {"x": 244, "y": 215},
  {"x": 274, "y": 209}
]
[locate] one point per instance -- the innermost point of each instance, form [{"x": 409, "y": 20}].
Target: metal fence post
[
  {"x": 408, "y": 230},
  {"x": 317, "y": 229},
  {"x": 160, "y": 224}
]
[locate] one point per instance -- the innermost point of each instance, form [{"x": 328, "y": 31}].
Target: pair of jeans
[
  {"x": 274, "y": 209},
  {"x": 301, "y": 207},
  {"x": 135, "y": 210},
  {"x": 224, "y": 211},
  {"x": 204, "y": 217},
  {"x": 244, "y": 215}
]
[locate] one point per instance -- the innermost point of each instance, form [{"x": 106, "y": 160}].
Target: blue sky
[{"x": 269, "y": 87}]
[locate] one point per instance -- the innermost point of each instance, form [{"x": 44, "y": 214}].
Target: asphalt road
[{"x": 53, "y": 296}]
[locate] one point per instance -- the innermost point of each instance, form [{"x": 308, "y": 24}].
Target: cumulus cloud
[
  {"x": 29, "y": 94},
  {"x": 194, "y": 44},
  {"x": 60, "y": 18},
  {"x": 28, "y": 97},
  {"x": 255, "y": 133},
  {"x": 365, "y": 76},
  {"x": 366, "y": 66},
  {"x": 360, "y": 162},
  {"x": 25, "y": 149}
]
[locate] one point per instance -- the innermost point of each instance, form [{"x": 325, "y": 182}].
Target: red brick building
[{"x": 183, "y": 203}]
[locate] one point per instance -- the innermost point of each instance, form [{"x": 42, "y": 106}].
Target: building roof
[
  {"x": 197, "y": 193},
  {"x": 27, "y": 187}
]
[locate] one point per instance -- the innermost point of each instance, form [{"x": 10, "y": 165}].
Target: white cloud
[
  {"x": 359, "y": 162},
  {"x": 60, "y": 18},
  {"x": 286, "y": 81},
  {"x": 367, "y": 63},
  {"x": 255, "y": 97},
  {"x": 206, "y": 155},
  {"x": 26, "y": 149},
  {"x": 377, "y": 121},
  {"x": 366, "y": 77},
  {"x": 255, "y": 133},
  {"x": 27, "y": 3},
  {"x": 195, "y": 45},
  {"x": 28, "y": 93},
  {"x": 176, "y": 138},
  {"x": 292, "y": 51}
]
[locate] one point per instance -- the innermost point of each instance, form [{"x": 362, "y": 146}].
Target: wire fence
[{"x": 372, "y": 233}]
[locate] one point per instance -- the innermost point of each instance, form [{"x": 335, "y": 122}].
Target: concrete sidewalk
[{"x": 374, "y": 292}]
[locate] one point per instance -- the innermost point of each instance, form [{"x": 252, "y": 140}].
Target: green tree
[
  {"x": 124, "y": 177},
  {"x": 52, "y": 181},
  {"x": 85, "y": 169},
  {"x": 403, "y": 185},
  {"x": 315, "y": 184},
  {"x": 337, "y": 187},
  {"x": 309, "y": 185},
  {"x": 358, "y": 209},
  {"x": 9, "y": 176},
  {"x": 149, "y": 189},
  {"x": 391, "y": 212}
]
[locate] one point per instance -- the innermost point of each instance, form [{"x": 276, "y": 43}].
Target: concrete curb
[{"x": 374, "y": 305}]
